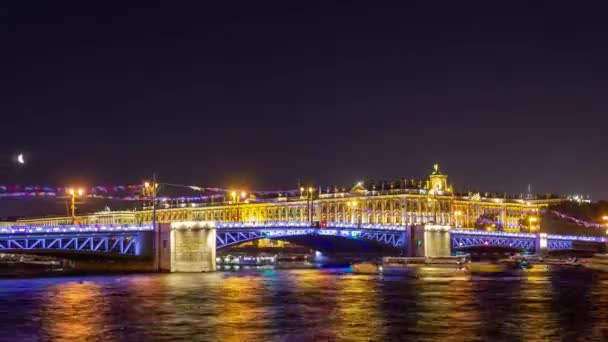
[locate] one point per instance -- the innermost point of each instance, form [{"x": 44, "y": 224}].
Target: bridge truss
[
  {"x": 228, "y": 237},
  {"x": 117, "y": 243},
  {"x": 559, "y": 244},
  {"x": 464, "y": 241}
]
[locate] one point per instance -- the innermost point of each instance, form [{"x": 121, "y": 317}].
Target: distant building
[{"x": 402, "y": 202}]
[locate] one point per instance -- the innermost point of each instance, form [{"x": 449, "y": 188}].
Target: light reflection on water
[{"x": 307, "y": 305}]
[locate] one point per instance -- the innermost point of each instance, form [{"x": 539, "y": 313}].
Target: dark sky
[{"x": 258, "y": 94}]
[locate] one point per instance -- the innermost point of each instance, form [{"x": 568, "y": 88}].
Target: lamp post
[
  {"x": 309, "y": 204},
  {"x": 150, "y": 191},
  {"x": 74, "y": 193}
]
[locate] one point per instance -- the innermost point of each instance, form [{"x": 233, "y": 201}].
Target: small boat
[
  {"x": 487, "y": 268},
  {"x": 367, "y": 268},
  {"x": 293, "y": 262}
]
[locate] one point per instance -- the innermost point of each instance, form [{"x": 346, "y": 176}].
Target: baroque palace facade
[{"x": 432, "y": 201}]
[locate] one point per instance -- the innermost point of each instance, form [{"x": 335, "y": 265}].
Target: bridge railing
[
  {"x": 496, "y": 234},
  {"x": 306, "y": 224},
  {"x": 265, "y": 224},
  {"x": 366, "y": 226},
  {"x": 578, "y": 238},
  {"x": 11, "y": 230}
]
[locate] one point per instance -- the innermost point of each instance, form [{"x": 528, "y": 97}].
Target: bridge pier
[
  {"x": 541, "y": 244},
  {"x": 187, "y": 247},
  {"x": 429, "y": 241}
]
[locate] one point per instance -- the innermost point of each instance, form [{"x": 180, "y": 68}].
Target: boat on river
[
  {"x": 488, "y": 268},
  {"x": 402, "y": 265},
  {"x": 293, "y": 262},
  {"x": 367, "y": 268}
]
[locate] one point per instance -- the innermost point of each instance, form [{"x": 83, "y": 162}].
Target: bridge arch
[
  {"x": 230, "y": 237},
  {"x": 460, "y": 242}
]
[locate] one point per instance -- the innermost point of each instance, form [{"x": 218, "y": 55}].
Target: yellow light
[
  {"x": 71, "y": 191},
  {"x": 605, "y": 218},
  {"x": 532, "y": 219},
  {"x": 147, "y": 184},
  {"x": 234, "y": 194},
  {"x": 301, "y": 189},
  {"x": 80, "y": 192},
  {"x": 310, "y": 189},
  {"x": 243, "y": 194}
]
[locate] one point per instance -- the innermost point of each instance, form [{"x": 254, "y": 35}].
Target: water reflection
[
  {"x": 74, "y": 311},
  {"x": 308, "y": 305},
  {"x": 359, "y": 309},
  {"x": 571, "y": 299},
  {"x": 536, "y": 317},
  {"x": 445, "y": 304},
  {"x": 241, "y": 312}
]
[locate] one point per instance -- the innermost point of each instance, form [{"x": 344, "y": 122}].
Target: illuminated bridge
[
  {"x": 400, "y": 236},
  {"x": 234, "y": 233},
  {"x": 128, "y": 240},
  {"x": 191, "y": 246}
]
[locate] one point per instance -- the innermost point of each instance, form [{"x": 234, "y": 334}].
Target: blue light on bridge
[{"x": 73, "y": 229}]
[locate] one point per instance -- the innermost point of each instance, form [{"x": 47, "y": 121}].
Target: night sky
[{"x": 258, "y": 95}]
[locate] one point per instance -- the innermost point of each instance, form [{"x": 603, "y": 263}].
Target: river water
[{"x": 308, "y": 305}]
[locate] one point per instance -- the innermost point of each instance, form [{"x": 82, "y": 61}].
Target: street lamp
[
  {"x": 309, "y": 204},
  {"x": 74, "y": 193},
  {"x": 150, "y": 191}
]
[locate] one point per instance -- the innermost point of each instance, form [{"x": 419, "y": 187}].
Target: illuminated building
[{"x": 403, "y": 202}]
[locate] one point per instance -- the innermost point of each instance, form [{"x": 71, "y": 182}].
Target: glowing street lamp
[
  {"x": 309, "y": 203},
  {"x": 74, "y": 193}
]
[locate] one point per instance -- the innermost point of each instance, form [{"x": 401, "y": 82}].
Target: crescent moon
[{"x": 20, "y": 159}]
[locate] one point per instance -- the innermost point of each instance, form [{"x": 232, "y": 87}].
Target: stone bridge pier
[
  {"x": 187, "y": 247},
  {"x": 429, "y": 241}
]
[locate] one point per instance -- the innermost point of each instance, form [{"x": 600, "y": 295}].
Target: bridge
[
  {"x": 110, "y": 240},
  {"x": 234, "y": 233},
  {"x": 191, "y": 246}
]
